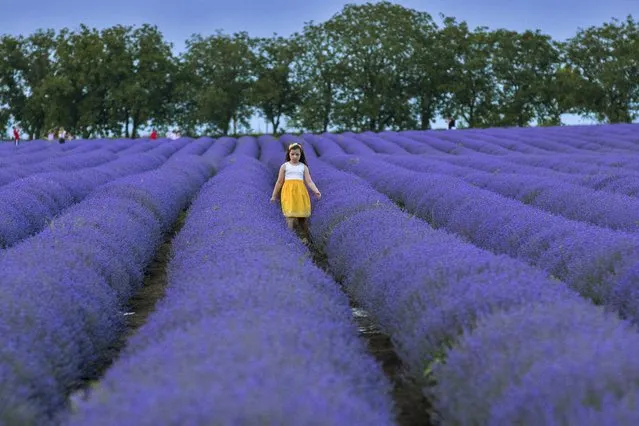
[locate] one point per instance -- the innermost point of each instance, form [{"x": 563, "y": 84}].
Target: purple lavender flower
[
  {"x": 588, "y": 258},
  {"x": 284, "y": 350},
  {"x": 63, "y": 288},
  {"x": 490, "y": 332},
  {"x": 615, "y": 211},
  {"x": 562, "y": 363}
]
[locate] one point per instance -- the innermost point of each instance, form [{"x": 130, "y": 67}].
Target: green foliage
[
  {"x": 216, "y": 84},
  {"x": 317, "y": 73},
  {"x": 606, "y": 60},
  {"x": 374, "y": 66},
  {"x": 374, "y": 48},
  {"x": 471, "y": 87},
  {"x": 274, "y": 92}
]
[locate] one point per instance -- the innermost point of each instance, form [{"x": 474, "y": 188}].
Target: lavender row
[
  {"x": 405, "y": 143},
  {"x": 594, "y": 261},
  {"x": 506, "y": 142},
  {"x": 59, "y": 158},
  {"x": 68, "y": 162},
  {"x": 617, "y": 181},
  {"x": 470, "y": 143},
  {"x": 563, "y": 158},
  {"x": 29, "y": 204},
  {"x": 250, "y": 330},
  {"x": 502, "y": 342},
  {"x": 79, "y": 154},
  {"x": 547, "y": 140},
  {"x": 574, "y": 164},
  {"x": 403, "y": 139},
  {"x": 467, "y": 143},
  {"x": 63, "y": 289},
  {"x": 615, "y": 211}
]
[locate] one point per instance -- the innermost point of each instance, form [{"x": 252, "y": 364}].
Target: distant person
[
  {"x": 296, "y": 204},
  {"x": 451, "y": 123},
  {"x": 154, "y": 134},
  {"x": 16, "y": 135},
  {"x": 62, "y": 134},
  {"x": 51, "y": 135}
]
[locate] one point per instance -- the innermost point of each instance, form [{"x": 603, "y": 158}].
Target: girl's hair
[{"x": 293, "y": 146}]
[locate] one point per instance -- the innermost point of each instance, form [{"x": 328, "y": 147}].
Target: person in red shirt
[
  {"x": 154, "y": 135},
  {"x": 16, "y": 135}
]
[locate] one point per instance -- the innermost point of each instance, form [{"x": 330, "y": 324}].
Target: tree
[
  {"x": 148, "y": 91},
  {"x": 76, "y": 91},
  {"x": 375, "y": 45},
  {"x": 471, "y": 90},
  {"x": 220, "y": 81},
  {"x": 525, "y": 65},
  {"x": 38, "y": 51},
  {"x": 317, "y": 72},
  {"x": 120, "y": 80},
  {"x": 12, "y": 90},
  {"x": 607, "y": 60},
  {"x": 426, "y": 67},
  {"x": 274, "y": 93}
]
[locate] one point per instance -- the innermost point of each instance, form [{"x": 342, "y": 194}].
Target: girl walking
[{"x": 296, "y": 203}]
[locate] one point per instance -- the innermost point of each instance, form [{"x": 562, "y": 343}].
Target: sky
[{"x": 179, "y": 19}]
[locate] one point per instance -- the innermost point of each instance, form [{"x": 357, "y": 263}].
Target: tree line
[{"x": 370, "y": 67}]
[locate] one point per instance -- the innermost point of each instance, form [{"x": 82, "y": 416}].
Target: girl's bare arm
[
  {"x": 279, "y": 183},
  {"x": 310, "y": 183}
]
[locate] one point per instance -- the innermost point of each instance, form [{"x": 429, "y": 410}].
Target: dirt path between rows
[{"x": 413, "y": 408}]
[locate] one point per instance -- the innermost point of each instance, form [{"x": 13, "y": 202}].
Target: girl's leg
[
  {"x": 290, "y": 221},
  {"x": 304, "y": 226}
]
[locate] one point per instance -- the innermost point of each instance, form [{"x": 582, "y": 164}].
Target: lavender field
[{"x": 502, "y": 264}]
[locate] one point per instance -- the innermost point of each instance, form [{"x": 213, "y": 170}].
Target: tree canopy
[{"x": 370, "y": 67}]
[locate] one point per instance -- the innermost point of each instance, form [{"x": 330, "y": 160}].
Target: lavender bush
[
  {"x": 349, "y": 143},
  {"x": 410, "y": 145},
  {"x": 493, "y": 332},
  {"x": 63, "y": 288},
  {"x": 378, "y": 144},
  {"x": 284, "y": 350},
  {"x": 32, "y": 202},
  {"x": 408, "y": 275},
  {"x": 615, "y": 211},
  {"x": 247, "y": 145},
  {"x": 563, "y": 363},
  {"x": 588, "y": 258}
]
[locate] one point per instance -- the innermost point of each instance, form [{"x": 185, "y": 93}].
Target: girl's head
[{"x": 295, "y": 153}]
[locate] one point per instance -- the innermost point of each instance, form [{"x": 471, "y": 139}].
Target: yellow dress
[{"x": 294, "y": 196}]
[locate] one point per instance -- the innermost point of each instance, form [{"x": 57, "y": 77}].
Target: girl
[{"x": 296, "y": 204}]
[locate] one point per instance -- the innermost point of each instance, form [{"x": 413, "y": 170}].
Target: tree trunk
[
  {"x": 126, "y": 126},
  {"x": 275, "y": 122},
  {"x": 235, "y": 123},
  {"x": 425, "y": 113},
  {"x": 328, "y": 96},
  {"x": 135, "y": 124}
]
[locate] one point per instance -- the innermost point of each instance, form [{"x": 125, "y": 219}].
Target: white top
[{"x": 293, "y": 172}]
